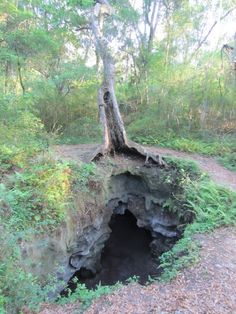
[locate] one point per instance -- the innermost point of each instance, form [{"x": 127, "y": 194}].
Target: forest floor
[{"x": 205, "y": 288}]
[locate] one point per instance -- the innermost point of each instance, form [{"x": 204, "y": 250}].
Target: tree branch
[
  {"x": 210, "y": 30},
  {"x": 83, "y": 28}
]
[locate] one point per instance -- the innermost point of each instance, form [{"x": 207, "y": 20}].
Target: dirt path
[{"x": 218, "y": 173}]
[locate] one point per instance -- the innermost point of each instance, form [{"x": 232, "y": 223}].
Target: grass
[
  {"x": 209, "y": 147},
  {"x": 223, "y": 148},
  {"x": 228, "y": 161}
]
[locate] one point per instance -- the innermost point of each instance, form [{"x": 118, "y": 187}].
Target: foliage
[
  {"x": 81, "y": 131},
  {"x": 66, "y": 99},
  {"x": 179, "y": 175},
  {"x": 38, "y": 196},
  {"x": 47, "y": 55},
  {"x": 229, "y": 161},
  {"x": 35, "y": 191},
  {"x": 184, "y": 167},
  {"x": 18, "y": 287},
  {"x": 85, "y": 295},
  {"x": 21, "y": 132},
  {"x": 213, "y": 207},
  {"x": 32, "y": 200},
  {"x": 133, "y": 279},
  {"x": 212, "y": 146},
  {"x": 83, "y": 174}
]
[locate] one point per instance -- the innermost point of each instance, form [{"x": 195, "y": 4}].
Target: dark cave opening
[{"x": 127, "y": 253}]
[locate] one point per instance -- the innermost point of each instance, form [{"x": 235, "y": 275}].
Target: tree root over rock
[{"x": 133, "y": 149}]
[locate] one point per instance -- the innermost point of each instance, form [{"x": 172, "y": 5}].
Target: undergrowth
[
  {"x": 228, "y": 161},
  {"x": 18, "y": 287},
  {"x": 33, "y": 200},
  {"x": 81, "y": 131},
  {"x": 210, "y": 147},
  {"x": 36, "y": 197},
  {"x": 85, "y": 295},
  {"x": 22, "y": 136},
  {"x": 213, "y": 207}
]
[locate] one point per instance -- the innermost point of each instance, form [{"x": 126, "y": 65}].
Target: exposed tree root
[{"x": 133, "y": 149}]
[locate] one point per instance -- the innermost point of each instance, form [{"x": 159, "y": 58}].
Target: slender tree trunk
[
  {"x": 234, "y": 54},
  {"x": 6, "y": 77},
  {"x": 146, "y": 89},
  {"x": 20, "y": 76},
  {"x": 114, "y": 134}
]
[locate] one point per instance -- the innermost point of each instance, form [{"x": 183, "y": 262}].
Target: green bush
[
  {"x": 210, "y": 146},
  {"x": 17, "y": 288},
  {"x": 80, "y": 131},
  {"x": 38, "y": 196},
  {"x": 21, "y": 133}
]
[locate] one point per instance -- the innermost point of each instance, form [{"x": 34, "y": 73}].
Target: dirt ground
[{"x": 209, "y": 287}]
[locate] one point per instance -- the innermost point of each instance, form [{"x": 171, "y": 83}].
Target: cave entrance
[{"x": 126, "y": 254}]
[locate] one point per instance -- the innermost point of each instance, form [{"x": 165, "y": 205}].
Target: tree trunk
[
  {"x": 6, "y": 77},
  {"x": 114, "y": 135},
  {"x": 234, "y": 54},
  {"x": 20, "y": 77}
]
